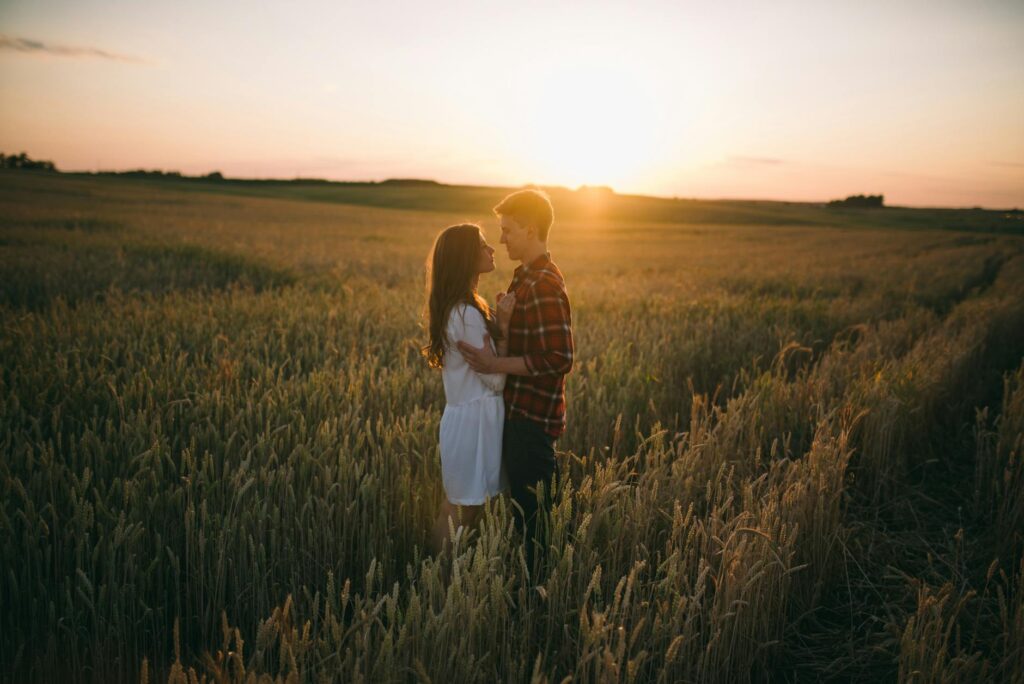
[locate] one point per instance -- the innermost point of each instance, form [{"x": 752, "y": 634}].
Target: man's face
[{"x": 514, "y": 236}]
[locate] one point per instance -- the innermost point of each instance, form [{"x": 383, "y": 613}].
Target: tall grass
[{"x": 220, "y": 447}]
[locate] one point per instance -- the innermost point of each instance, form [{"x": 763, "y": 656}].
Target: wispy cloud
[
  {"x": 755, "y": 160},
  {"x": 36, "y": 47},
  {"x": 1013, "y": 165}
]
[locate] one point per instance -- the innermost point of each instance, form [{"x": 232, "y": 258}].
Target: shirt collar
[{"x": 536, "y": 265}]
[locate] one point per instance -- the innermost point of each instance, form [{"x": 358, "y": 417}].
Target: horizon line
[
  {"x": 174, "y": 174},
  {"x": 544, "y": 186}
]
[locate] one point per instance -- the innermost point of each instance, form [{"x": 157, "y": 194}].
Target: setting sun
[
  {"x": 593, "y": 125},
  {"x": 793, "y": 101}
]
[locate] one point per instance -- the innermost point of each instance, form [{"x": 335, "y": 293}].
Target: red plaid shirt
[{"x": 541, "y": 332}]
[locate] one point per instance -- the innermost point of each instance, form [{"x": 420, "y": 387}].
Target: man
[{"x": 540, "y": 354}]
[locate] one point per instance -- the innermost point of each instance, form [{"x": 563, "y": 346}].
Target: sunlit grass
[{"x": 220, "y": 448}]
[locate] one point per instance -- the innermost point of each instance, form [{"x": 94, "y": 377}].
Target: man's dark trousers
[{"x": 528, "y": 454}]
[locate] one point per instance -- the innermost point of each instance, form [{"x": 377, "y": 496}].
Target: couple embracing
[{"x": 503, "y": 370}]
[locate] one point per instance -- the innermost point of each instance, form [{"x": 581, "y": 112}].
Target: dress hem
[{"x": 473, "y": 502}]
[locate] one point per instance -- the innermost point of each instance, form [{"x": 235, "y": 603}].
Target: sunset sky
[{"x": 922, "y": 100}]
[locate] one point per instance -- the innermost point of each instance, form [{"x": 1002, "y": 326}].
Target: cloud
[
  {"x": 36, "y": 47},
  {"x": 1012, "y": 165},
  {"x": 755, "y": 160}
]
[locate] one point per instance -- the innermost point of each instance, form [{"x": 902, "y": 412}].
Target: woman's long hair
[{"x": 451, "y": 269}]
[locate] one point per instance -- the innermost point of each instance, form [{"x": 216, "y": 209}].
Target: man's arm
[
  {"x": 483, "y": 360},
  {"x": 547, "y": 312},
  {"x": 474, "y": 331}
]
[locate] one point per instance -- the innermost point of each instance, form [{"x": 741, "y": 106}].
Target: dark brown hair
[
  {"x": 530, "y": 208},
  {"x": 452, "y": 265}
]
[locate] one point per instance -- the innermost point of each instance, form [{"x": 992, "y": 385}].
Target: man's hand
[{"x": 480, "y": 359}]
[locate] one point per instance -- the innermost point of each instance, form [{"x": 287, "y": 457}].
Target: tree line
[
  {"x": 23, "y": 161},
  {"x": 862, "y": 201}
]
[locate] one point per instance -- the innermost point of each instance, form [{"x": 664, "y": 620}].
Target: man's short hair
[{"x": 530, "y": 209}]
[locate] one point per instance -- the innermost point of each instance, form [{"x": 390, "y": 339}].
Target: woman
[{"x": 475, "y": 410}]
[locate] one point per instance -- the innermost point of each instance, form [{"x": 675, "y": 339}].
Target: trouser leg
[{"x": 528, "y": 454}]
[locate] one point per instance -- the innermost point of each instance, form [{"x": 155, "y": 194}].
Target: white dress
[{"x": 474, "y": 416}]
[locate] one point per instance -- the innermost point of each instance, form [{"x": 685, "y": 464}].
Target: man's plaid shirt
[{"x": 541, "y": 332}]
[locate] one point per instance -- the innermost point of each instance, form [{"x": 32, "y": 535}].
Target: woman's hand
[{"x": 506, "y": 302}]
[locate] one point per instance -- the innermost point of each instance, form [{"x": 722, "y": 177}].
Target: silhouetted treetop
[
  {"x": 860, "y": 201},
  {"x": 23, "y": 161}
]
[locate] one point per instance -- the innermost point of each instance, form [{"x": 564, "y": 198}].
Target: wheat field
[{"x": 793, "y": 452}]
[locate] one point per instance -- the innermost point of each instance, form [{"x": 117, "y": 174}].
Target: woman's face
[{"x": 486, "y": 261}]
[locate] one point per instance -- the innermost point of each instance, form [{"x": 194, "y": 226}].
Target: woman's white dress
[{"x": 474, "y": 415}]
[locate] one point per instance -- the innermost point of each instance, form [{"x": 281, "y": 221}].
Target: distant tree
[
  {"x": 409, "y": 181},
  {"x": 213, "y": 176},
  {"x": 860, "y": 201},
  {"x": 22, "y": 161}
]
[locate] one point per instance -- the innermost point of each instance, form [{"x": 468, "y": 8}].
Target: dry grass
[{"x": 220, "y": 452}]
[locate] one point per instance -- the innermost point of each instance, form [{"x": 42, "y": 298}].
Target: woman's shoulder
[
  {"x": 464, "y": 313},
  {"x": 459, "y": 319}
]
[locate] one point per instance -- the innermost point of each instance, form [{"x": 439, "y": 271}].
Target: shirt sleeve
[
  {"x": 471, "y": 328},
  {"x": 549, "y": 319}
]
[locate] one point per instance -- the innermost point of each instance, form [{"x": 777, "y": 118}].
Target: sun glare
[{"x": 593, "y": 126}]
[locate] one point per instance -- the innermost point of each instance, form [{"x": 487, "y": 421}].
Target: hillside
[{"x": 594, "y": 204}]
